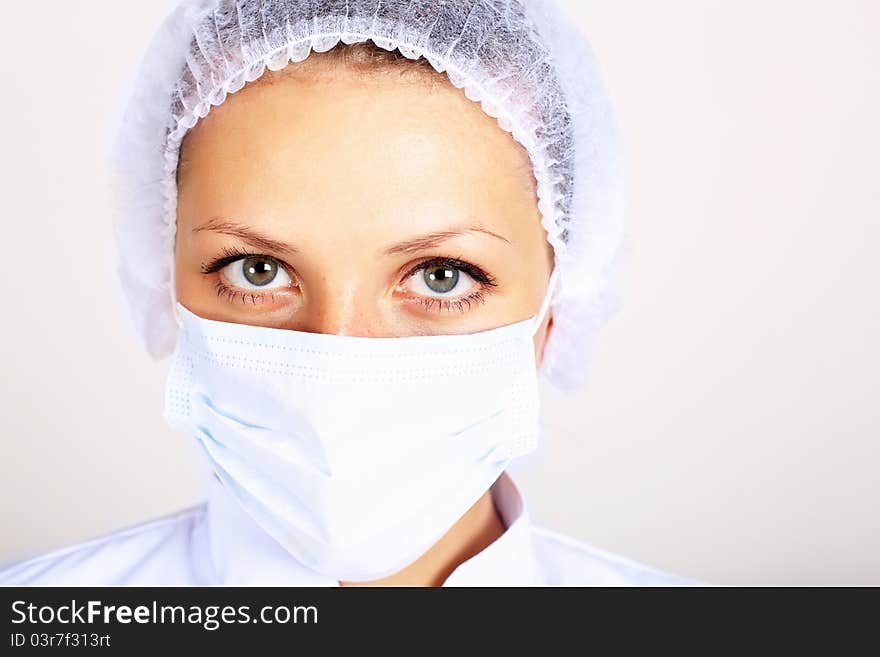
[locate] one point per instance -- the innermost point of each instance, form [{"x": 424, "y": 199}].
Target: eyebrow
[
  {"x": 260, "y": 241},
  {"x": 433, "y": 239},
  {"x": 246, "y": 234}
]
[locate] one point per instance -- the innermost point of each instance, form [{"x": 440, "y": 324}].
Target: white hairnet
[{"x": 522, "y": 60}]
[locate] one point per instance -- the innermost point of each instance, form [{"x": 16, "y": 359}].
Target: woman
[{"x": 364, "y": 229}]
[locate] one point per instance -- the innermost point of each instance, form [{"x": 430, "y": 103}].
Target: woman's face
[{"x": 358, "y": 206}]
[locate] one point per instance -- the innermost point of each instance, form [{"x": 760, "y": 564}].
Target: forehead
[{"x": 344, "y": 147}]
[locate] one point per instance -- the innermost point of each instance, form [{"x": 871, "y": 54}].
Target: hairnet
[{"x": 522, "y": 60}]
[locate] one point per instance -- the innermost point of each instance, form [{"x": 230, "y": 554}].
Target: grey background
[{"x": 730, "y": 428}]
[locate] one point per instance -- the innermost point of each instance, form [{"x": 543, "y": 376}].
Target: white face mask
[{"x": 355, "y": 453}]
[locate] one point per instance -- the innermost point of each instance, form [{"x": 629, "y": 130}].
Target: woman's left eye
[
  {"x": 441, "y": 280},
  {"x": 256, "y": 273}
]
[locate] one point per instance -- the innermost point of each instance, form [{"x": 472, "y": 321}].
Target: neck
[{"x": 478, "y": 528}]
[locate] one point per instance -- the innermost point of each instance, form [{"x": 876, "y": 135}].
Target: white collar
[{"x": 243, "y": 554}]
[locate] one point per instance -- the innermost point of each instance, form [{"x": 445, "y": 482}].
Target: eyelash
[
  {"x": 227, "y": 257},
  {"x": 485, "y": 280}
]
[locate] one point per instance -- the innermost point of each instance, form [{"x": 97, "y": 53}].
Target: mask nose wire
[{"x": 545, "y": 304}]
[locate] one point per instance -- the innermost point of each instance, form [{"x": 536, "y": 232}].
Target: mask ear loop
[
  {"x": 545, "y": 304},
  {"x": 172, "y": 292}
]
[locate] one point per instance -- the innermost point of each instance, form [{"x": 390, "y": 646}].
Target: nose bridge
[{"x": 343, "y": 306}]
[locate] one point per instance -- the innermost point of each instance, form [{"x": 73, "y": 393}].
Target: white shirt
[{"x": 218, "y": 543}]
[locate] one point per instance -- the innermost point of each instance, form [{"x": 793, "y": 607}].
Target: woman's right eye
[{"x": 256, "y": 273}]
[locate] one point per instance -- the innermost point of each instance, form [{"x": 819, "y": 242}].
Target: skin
[{"x": 326, "y": 169}]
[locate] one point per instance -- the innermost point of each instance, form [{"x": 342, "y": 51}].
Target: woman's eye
[
  {"x": 256, "y": 273},
  {"x": 441, "y": 280}
]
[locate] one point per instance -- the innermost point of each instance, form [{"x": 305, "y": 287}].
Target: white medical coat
[{"x": 218, "y": 543}]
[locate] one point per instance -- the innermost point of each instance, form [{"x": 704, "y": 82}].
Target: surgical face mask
[{"x": 355, "y": 453}]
